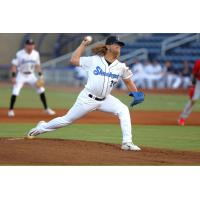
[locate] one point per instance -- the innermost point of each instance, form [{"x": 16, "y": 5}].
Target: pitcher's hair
[{"x": 100, "y": 50}]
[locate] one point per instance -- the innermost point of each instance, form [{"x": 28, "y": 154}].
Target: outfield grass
[
  {"x": 170, "y": 137},
  {"x": 58, "y": 99}
]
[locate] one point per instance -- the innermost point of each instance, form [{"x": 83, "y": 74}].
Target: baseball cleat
[
  {"x": 34, "y": 131},
  {"x": 49, "y": 111},
  {"x": 11, "y": 113},
  {"x": 181, "y": 121},
  {"x": 130, "y": 146},
  {"x": 30, "y": 137}
]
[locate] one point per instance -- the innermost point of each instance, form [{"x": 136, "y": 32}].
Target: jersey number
[{"x": 113, "y": 83}]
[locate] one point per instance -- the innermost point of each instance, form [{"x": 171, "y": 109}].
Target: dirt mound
[{"x": 20, "y": 151}]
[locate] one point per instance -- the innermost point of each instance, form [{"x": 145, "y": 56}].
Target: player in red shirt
[{"x": 194, "y": 93}]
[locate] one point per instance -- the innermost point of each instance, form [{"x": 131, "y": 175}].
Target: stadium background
[{"x": 155, "y": 121}]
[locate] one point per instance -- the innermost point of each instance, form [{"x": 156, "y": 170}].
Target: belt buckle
[{"x": 93, "y": 97}]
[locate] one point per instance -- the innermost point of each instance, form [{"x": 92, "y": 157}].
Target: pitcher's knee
[{"x": 123, "y": 110}]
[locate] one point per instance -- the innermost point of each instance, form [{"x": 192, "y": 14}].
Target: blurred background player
[
  {"x": 23, "y": 67},
  {"x": 154, "y": 75},
  {"x": 138, "y": 73},
  {"x": 173, "y": 79},
  {"x": 194, "y": 93},
  {"x": 185, "y": 74}
]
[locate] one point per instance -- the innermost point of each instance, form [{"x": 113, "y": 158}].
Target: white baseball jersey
[
  {"x": 26, "y": 62},
  {"x": 101, "y": 76},
  {"x": 101, "y": 79}
]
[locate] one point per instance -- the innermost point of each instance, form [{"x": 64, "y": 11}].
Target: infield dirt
[
  {"x": 138, "y": 117},
  {"x": 19, "y": 151}
]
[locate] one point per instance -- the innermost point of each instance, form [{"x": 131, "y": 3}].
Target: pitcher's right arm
[{"x": 75, "y": 59}]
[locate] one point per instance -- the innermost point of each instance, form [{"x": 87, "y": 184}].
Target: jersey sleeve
[
  {"x": 85, "y": 62},
  {"x": 127, "y": 73},
  {"x": 15, "y": 61}
]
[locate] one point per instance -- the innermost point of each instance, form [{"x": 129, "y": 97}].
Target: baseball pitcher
[{"x": 104, "y": 71}]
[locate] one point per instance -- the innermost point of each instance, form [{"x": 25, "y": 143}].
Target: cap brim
[
  {"x": 32, "y": 43},
  {"x": 120, "y": 43}
]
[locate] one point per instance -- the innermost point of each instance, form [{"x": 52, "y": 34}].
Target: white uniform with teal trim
[
  {"x": 101, "y": 77},
  {"x": 101, "y": 80},
  {"x": 25, "y": 64}
]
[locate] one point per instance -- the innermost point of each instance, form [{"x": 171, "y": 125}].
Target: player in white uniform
[
  {"x": 23, "y": 67},
  {"x": 104, "y": 71}
]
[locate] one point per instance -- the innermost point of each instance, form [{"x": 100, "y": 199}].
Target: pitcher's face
[{"x": 115, "y": 49}]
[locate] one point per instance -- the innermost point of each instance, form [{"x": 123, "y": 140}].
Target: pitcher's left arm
[
  {"x": 138, "y": 97},
  {"x": 130, "y": 85}
]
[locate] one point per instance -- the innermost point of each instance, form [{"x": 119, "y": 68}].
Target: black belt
[
  {"x": 27, "y": 73},
  {"x": 95, "y": 98}
]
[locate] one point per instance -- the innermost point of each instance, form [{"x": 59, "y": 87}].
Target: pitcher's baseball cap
[
  {"x": 29, "y": 41},
  {"x": 114, "y": 40}
]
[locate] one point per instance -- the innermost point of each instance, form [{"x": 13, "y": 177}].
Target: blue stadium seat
[{"x": 152, "y": 43}]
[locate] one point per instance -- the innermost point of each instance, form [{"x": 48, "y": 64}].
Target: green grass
[
  {"x": 58, "y": 99},
  {"x": 28, "y": 98},
  {"x": 170, "y": 137},
  {"x": 164, "y": 102}
]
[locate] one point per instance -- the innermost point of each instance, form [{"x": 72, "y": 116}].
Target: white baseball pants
[
  {"x": 173, "y": 81},
  {"x": 21, "y": 79},
  {"x": 84, "y": 105}
]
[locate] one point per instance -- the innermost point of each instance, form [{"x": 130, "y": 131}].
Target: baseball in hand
[{"x": 88, "y": 38}]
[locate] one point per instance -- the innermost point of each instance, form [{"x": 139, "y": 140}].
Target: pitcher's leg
[
  {"x": 115, "y": 106},
  {"x": 77, "y": 111}
]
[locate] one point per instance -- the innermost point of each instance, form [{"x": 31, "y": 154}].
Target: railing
[
  {"x": 178, "y": 40},
  {"x": 141, "y": 54},
  {"x": 65, "y": 58}
]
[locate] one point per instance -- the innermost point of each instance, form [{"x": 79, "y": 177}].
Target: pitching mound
[{"x": 20, "y": 151}]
